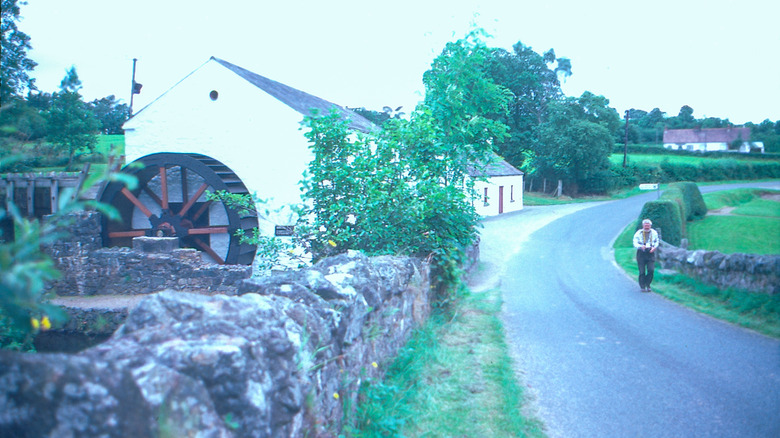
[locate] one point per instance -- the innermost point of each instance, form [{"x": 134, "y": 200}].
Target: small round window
[{"x": 214, "y": 95}]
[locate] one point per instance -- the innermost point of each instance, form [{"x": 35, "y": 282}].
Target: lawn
[{"x": 656, "y": 160}]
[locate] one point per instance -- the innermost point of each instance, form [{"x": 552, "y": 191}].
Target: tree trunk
[{"x": 559, "y": 191}]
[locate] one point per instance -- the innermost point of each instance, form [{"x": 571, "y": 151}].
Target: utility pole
[
  {"x": 135, "y": 88},
  {"x": 625, "y": 144}
]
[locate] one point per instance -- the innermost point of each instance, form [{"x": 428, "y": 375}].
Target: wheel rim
[{"x": 170, "y": 200}]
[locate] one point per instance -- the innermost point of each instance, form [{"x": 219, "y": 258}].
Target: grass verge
[
  {"x": 756, "y": 311},
  {"x": 453, "y": 378}
]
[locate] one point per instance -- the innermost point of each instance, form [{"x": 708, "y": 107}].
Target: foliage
[
  {"x": 575, "y": 143},
  {"x": 269, "y": 249},
  {"x": 667, "y": 219},
  {"x": 72, "y": 125},
  {"x": 25, "y": 268},
  {"x": 695, "y": 208},
  {"x": 14, "y": 63},
  {"x": 404, "y": 190},
  {"x": 533, "y": 80},
  {"x": 110, "y": 113}
]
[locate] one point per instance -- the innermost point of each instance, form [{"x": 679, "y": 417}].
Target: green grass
[
  {"x": 655, "y": 160},
  {"x": 753, "y": 310},
  {"x": 453, "y": 378},
  {"x": 753, "y": 226},
  {"x": 106, "y": 142}
]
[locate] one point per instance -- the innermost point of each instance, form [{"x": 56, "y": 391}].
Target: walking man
[{"x": 646, "y": 242}]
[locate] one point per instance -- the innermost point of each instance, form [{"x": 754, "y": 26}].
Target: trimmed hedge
[
  {"x": 666, "y": 217},
  {"x": 695, "y": 207},
  {"x": 679, "y": 203}
]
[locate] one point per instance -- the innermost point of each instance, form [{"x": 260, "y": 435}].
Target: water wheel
[{"x": 170, "y": 200}]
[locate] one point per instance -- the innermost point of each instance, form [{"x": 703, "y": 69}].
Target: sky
[{"x": 720, "y": 57}]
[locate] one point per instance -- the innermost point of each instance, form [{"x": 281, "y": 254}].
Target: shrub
[
  {"x": 666, "y": 217},
  {"x": 695, "y": 208}
]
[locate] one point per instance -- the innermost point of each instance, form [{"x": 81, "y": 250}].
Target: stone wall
[
  {"x": 276, "y": 356},
  {"x": 151, "y": 265},
  {"x": 752, "y": 272}
]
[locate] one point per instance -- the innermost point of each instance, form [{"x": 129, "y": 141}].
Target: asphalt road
[{"x": 602, "y": 359}]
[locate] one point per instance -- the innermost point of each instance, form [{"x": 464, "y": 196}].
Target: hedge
[{"x": 666, "y": 217}]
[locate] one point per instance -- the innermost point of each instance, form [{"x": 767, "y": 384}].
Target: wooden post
[
  {"x": 55, "y": 191},
  {"x": 30, "y": 197}
]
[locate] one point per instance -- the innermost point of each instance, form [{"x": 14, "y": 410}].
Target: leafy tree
[
  {"x": 14, "y": 63},
  {"x": 534, "y": 82},
  {"x": 575, "y": 143},
  {"x": 72, "y": 125},
  {"x": 110, "y": 113},
  {"x": 402, "y": 190}
]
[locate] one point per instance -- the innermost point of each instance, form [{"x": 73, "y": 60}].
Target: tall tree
[
  {"x": 72, "y": 125},
  {"x": 534, "y": 82},
  {"x": 14, "y": 63},
  {"x": 575, "y": 143}
]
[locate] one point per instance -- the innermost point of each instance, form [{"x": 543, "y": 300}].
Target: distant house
[
  {"x": 712, "y": 140},
  {"x": 500, "y": 192}
]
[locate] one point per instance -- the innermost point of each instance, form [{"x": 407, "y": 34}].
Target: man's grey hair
[{"x": 647, "y": 221}]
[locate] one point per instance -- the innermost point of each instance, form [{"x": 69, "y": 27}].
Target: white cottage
[
  {"x": 500, "y": 192},
  {"x": 712, "y": 140},
  {"x": 221, "y": 127}
]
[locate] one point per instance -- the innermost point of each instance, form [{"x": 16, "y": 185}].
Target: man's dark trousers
[{"x": 646, "y": 262}]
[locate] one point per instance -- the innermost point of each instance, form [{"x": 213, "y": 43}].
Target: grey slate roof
[
  {"x": 499, "y": 167},
  {"x": 707, "y": 135},
  {"x": 298, "y": 100}
]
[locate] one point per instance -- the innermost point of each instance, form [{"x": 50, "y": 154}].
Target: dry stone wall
[
  {"x": 276, "y": 356},
  {"x": 752, "y": 272}
]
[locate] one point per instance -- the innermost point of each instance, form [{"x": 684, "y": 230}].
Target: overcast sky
[{"x": 720, "y": 57}]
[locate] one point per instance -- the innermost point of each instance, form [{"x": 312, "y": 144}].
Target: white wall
[
  {"x": 513, "y": 195},
  {"x": 255, "y": 135}
]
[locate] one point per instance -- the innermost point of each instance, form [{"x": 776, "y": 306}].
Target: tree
[
  {"x": 533, "y": 80},
  {"x": 14, "y": 63},
  {"x": 110, "y": 113},
  {"x": 401, "y": 191},
  {"x": 72, "y": 126},
  {"x": 575, "y": 144}
]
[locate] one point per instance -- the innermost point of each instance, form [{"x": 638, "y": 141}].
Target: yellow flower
[
  {"x": 373, "y": 364},
  {"x": 35, "y": 323},
  {"x": 332, "y": 243},
  {"x": 336, "y": 395},
  {"x": 45, "y": 323}
]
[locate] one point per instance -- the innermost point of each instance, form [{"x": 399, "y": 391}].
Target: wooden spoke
[
  {"x": 131, "y": 233},
  {"x": 203, "y": 208},
  {"x": 164, "y": 187},
  {"x": 209, "y": 251},
  {"x": 129, "y": 195},
  {"x": 184, "y": 187},
  {"x": 191, "y": 202},
  {"x": 153, "y": 195},
  {"x": 208, "y": 230}
]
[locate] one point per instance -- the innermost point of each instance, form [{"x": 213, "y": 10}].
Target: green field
[{"x": 656, "y": 160}]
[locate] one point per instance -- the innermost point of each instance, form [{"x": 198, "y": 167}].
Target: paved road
[{"x": 601, "y": 358}]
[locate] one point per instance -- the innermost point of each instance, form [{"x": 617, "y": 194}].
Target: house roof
[
  {"x": 708, "y": 135},
  {"x": 298, "y": 100},
  {"x": 497, "y": 167}
]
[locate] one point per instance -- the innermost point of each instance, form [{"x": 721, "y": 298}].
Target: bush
[
  {"x": 695, "y": 208},
  {"x": 666, "y": 217}
]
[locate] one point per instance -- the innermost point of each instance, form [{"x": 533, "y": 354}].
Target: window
[
  {"x": 512, "y": 193},
  {"x": 485, "y": 199}
]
